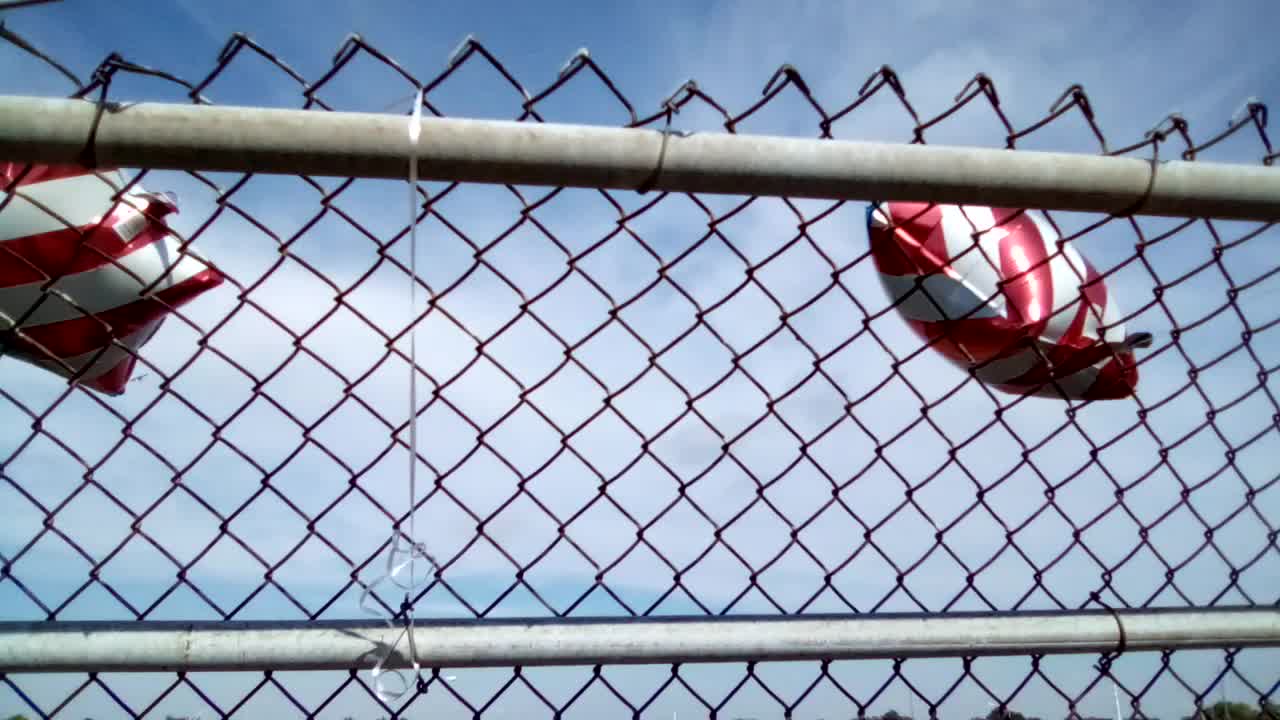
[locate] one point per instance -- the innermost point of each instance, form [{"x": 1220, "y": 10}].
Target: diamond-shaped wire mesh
[{"x": 642, "y": 404}]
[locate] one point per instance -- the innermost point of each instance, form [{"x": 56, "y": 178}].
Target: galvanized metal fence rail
[{"x": 667, "y": 418}]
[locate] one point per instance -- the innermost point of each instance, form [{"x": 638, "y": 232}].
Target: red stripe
[
  {"x": 1074, "y": 336},
  {"x": 912, "y": 244},
  {"x": 89, "y": 333},
  {"x": 1073, "y": 351},
  {"x": 111, "y": 381},
  {"x": 1094, "y": 288},
  {"x": 42, "y": 173},
  {"x": 1023, "y": 264},
  {"x": 1006, "y": 215},
  {"x": 40, "y": 258},
  {"x": 982, "y": 339},
  {"x": 1116, "y": 380},
  {"x": 922, "y": 221}
]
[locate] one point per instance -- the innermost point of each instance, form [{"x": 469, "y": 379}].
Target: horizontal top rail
[
  {"x": 346, "y": 144},
  {"x": 331, "y": 645}
]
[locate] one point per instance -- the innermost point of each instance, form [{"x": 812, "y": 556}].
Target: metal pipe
[
  {"x": 239, "y": 139},
  {"x": 41, "y": 647},
  {"x": 14, "y": 4}
]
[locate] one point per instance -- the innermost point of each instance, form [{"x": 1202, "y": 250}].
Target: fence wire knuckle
[{"x": 694, "y": 435}]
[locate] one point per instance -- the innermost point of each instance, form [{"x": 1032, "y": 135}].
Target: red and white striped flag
[{"x": 85, "y": 281}]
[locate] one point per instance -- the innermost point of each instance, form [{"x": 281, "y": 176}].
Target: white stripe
[
  {"x": 1069, "y": 272},
  {"x": 1111, "y": 315},
  {"x": 1005, "y": 369},
  {"x": 78, "y": 200},
  {"x": 1066, "y": 291},
  {"x": 979, "y": 268},
  {"x": 955, "y": 298},
  {"x": 1074, "y": 385},
  {"x": 1077, "y": 383},
  {"x": 103, "y": 288},
  {"x": 1092, "y": 314},
  {"x": 1095, "y": 317},
  {"x": 879, "y": 220}
]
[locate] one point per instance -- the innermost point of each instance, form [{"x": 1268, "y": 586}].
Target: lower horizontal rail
[{"x": 43, "y": 647}]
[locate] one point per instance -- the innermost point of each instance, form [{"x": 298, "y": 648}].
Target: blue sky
[{"x": 1138, "y": 63}]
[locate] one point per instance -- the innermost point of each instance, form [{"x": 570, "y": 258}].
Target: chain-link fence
[{"x": 632, "y": 404}]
